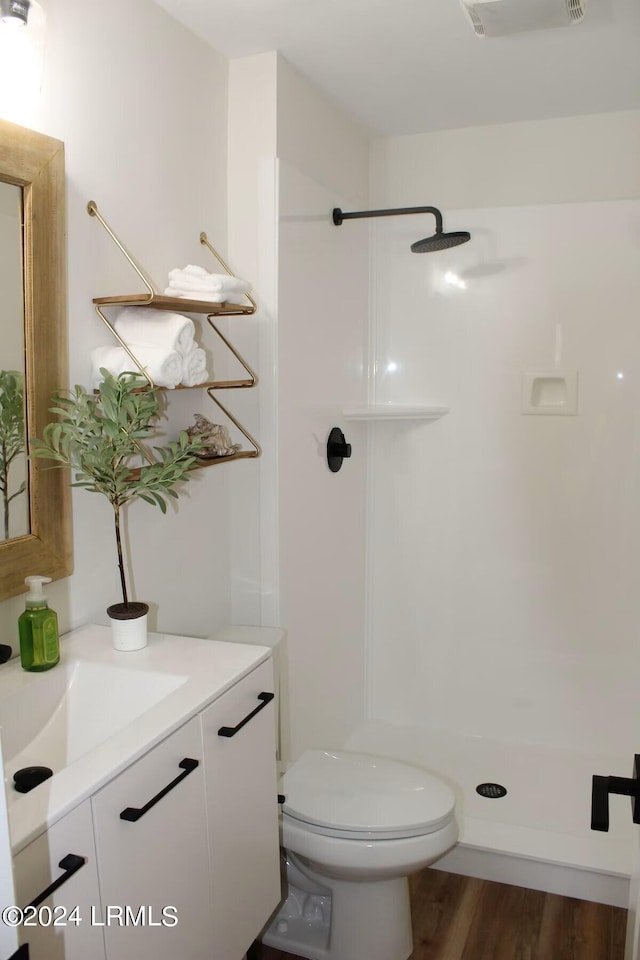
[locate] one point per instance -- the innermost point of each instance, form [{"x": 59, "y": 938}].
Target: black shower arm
[{"x": 339, "y": 216}]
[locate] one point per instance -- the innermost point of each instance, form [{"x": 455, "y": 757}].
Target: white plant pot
[{"x": 128, "y": 625}]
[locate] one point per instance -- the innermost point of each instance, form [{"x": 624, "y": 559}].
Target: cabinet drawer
[
  {"x": 37, "y": 867},
  {"x": 157, "y": 858},
  {"x": 241, "y": 787}
]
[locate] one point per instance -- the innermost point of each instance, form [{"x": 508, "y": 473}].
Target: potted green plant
[{"x": 102, "y": 437}]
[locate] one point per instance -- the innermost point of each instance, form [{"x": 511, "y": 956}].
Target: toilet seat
[{"x": 359, "y": 796}]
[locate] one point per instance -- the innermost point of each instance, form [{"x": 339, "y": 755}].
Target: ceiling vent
[{"x": 500, "y": 18}]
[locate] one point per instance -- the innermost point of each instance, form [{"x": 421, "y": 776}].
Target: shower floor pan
[{"x": 538, "y": 835}]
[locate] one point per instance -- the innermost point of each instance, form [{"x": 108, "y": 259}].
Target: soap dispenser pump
[{"x": 38, "y": 629}]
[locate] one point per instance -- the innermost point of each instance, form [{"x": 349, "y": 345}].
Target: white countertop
[{"x": 210, "y": 668}]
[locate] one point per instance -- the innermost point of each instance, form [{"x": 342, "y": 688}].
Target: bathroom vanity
[{"x": 157, "y": 835}]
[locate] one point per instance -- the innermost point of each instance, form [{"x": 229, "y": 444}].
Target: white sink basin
[
  {"x": 101, "y": 709},
  {"x": 54, "y": 718}
]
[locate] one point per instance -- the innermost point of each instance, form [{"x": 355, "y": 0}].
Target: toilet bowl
[{"x": 354, "y": 826}]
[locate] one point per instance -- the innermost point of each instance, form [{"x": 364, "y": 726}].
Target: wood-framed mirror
[{"x": 35, "y": 502}]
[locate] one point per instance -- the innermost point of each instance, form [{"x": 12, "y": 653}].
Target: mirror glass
[
  {"x": 35, "y": 504},
  {"x": 14, "y": 476}
]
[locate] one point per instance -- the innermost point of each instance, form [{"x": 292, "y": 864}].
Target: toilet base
[{"x": 336, "y": 919}]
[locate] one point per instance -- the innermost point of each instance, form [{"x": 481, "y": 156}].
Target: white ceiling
[{"x": 408, "y": 66}]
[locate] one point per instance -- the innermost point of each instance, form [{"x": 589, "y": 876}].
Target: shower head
[{"x": 439, "y": 241}]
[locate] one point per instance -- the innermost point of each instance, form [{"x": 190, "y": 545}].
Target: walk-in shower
[{"x": 439, "y": 241}]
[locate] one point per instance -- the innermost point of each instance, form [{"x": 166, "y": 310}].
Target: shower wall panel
[{"x": 505, "y": 591}]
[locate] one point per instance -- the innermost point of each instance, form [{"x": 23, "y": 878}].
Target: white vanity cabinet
[
  {"x": 242, "y": 812},
  {"x": 151, "y": 838},
  {"x": 176, "y": 849},
  {"x": 52, "y": 857}
]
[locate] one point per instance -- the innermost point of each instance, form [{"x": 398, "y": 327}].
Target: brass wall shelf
[
  {"x": 212, "y": 311},
  {"x": 175, "y": 304}
]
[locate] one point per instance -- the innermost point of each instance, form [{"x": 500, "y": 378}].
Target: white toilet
[{"x": 354, "y": 826}]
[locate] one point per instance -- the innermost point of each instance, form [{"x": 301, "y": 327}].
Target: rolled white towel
[
  {"x": 166, "y": 331},
  {"x": 206, "y": 295},
  {"x": 165, "y": 367},
  {"x": 195, "y": 368},
  {"x": 215, "y": 282}
]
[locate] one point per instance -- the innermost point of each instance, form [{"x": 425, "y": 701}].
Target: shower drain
[{"x": 494, "y": 791}]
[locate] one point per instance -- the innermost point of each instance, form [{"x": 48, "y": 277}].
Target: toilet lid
[{"x": 365, "y": 794}]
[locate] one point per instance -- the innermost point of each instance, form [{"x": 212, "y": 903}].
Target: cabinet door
[
  {"x": 8, "y": 935},
  {"x": 158, "y": 861},
  {"x": 38, "y": 866},
  {"x": 242, "y": 809}
]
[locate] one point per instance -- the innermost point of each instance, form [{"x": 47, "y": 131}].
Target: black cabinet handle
[
  {"x": 231, "y": 731},
  {"x": 603, "y": 786},
  {"x": 22, "y": 953},
  {"x": 134, "y": 813},
  {"x": 70, "y": 864}
]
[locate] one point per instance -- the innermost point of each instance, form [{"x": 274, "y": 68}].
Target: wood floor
[{"x": 459, "y": 918}]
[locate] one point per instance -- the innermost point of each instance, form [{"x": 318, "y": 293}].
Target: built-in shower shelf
[{"x": 395, "y": 411}]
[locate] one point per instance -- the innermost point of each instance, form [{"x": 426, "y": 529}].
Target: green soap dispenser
[{"x": 38, "y": 629}]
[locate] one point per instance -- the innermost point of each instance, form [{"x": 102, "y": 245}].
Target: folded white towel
[
  {"x": 189, "y": 284},
  {"x": 165, "y": 367},
  {"x": 215, "y": 282},
  {"x": 195, "y": 368},
  {"x": 166, "y": 331},
  {"x": 206, "y": 295},
  {"x": 193, "y": 269}
]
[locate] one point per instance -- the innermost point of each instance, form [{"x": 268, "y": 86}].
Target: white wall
[
  {"x": 274, "y": 112},
  {"x": 322, "y": 340},
  {"x": 547, "y": 161},
  {"x": 504, "y": 597},
  {"x": 293, "y": 156},
  {"x": 252, "y": 250},
  {"x": 316, "y": 137},
  {"x": 141, "y": 105},
  {"x": 322, "y": 353}
]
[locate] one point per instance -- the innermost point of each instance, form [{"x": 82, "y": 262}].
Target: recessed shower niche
[{"x": 551, "y": 393}]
